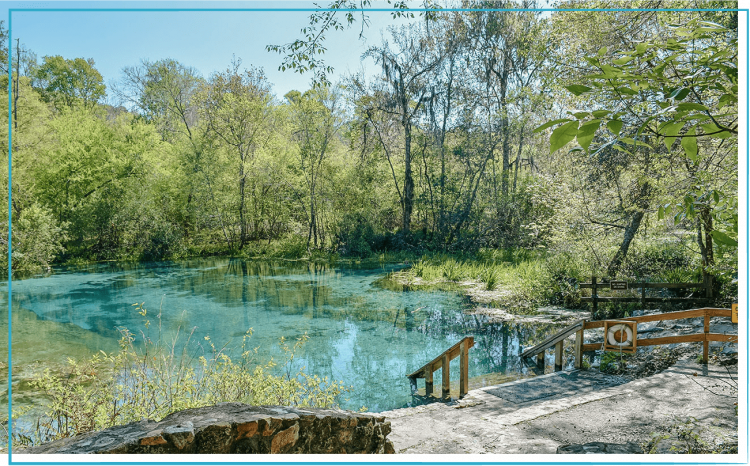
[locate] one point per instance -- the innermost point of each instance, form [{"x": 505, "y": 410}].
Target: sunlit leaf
[
  {"x": 578, "y": 89},
  {"x": 563, "y": 135},
  {"x": 723, "y": 238},
  {"x": 549, "y": 124},
  {"x": 586, "y": 133},
  {"x": 690, "y": 145},
  {"x": 615, "y": 126}
]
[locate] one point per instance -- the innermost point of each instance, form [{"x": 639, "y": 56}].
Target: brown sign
[
  {"x": 734, "y": 313},
  {"x": 618, "y": 285}
]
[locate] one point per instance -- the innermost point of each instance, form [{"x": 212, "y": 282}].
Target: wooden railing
[
  {"x": 556, "y": 340},
  {"x": 443, "y": 361},
  {"x": 580, "y": 327},
  {"x": 706, "y": 288}
]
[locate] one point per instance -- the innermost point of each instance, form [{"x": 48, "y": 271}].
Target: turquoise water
[{"x": 359, "y": 333}]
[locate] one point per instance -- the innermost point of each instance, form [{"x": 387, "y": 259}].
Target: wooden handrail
[
  {"x": 595, "y": 299},
  {"x": 647, "y": 285},
  {"x": 443, "y": 361},
  {"x": 579, "y": 327},
  {"x": 706, "y": 337},
  {"x": 553, "y": 340},
  {"x": 692, "y": 313}
]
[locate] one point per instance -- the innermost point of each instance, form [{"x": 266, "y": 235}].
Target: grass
[{"x": 520, "y": 279}]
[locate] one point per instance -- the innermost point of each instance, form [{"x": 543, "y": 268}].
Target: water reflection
[{"x": 359, "y": 333}]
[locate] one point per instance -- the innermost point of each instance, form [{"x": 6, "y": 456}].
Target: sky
[{"x": 206, "y": 40}]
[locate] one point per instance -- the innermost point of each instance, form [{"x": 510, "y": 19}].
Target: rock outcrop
[{"x": 237, "y": 428}]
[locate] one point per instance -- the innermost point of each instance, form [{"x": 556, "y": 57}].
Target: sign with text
[
  {"x": 618, "y": 285},
  {"x": 734, "y": 313}
]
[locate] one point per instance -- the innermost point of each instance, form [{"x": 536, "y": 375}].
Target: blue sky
[{"x": 204, "y": 40}]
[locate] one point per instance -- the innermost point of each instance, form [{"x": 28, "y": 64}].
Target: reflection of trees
[{"x": 370, "y": 336}]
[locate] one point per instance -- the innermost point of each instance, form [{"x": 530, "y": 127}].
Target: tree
[
  {"x": 677, "y": 86},
  {"x": 237, "y": 109},
  {"x": 403, "y": 90},
  {"x": 66, "y": 83},
  {"x": 163, "y": 91},
  {"x": 317, "y": 120},
  {"x": 305, "y": 54}
]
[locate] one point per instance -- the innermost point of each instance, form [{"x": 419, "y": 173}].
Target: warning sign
[{"x": 734, "y": 313}]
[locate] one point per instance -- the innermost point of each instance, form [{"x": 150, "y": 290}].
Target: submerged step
[{"x": 548, "y": 386}]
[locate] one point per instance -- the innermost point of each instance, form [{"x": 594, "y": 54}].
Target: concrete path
[{"x": 540, "y": 414}]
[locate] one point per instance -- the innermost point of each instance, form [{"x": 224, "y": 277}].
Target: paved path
[{"x": 540, "y": 414}]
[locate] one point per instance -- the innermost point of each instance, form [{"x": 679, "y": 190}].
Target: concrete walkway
[{"x": 540, "y": 414}]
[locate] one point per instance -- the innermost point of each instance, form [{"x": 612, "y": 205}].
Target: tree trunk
[
  {"x": 15, "y": 84},
  {"x": 243, "y": 226},
  {"x": 630, "y": 231},
  {"x": 705, "y": 240},
  {"x": 504, "y": 123},
  {"x": 642, "y": 204},
  {"x": 408, "y": 180}
]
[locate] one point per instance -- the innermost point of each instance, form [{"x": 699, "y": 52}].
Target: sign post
[
  {"x": 618, "y": 285},
  {"x": 734, "y": 313}
]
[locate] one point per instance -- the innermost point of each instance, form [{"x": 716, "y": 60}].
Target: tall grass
[{"x": 153, "y": 376}]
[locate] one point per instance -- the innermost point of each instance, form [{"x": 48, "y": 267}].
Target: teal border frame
[{"x": 191, "y": 463}]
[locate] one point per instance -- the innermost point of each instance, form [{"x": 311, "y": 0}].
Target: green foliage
[
  {"x": 66, "y": 83},
  {"x": 452, "y": 270},
  {"x": 689, "y": 75},
  {"x": 156, "y": 374},
  {"x": 37, "y": 240},
  {"x": 356, "y": 236},
  {"x": 658, "y": 258},
  {"x": 489, "y": 277},
  {"x": 613, "y": 362}
]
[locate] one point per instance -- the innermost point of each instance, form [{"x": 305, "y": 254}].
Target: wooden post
[
  {"x": 446, "y": 376},
  {"x": 428, "y": 388},
  {"x": 558, "y": 355},
  {"x": 708, "y": 284},
  {"x": 413, "y": 384},
  {"x": 579, "y": 344},
  {"x": 594, "y": 306},
  {"x": 540, "y": 359},
  {"x": 706, "y": 325},
  {"x": 463, "y": 388},
  {"x": 643, "y": 296}
]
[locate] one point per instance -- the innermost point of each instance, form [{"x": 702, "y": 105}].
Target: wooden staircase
[{"x": 443, "y": 361}]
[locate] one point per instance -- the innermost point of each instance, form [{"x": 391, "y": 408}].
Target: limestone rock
[{"x": 238, "y": 428}]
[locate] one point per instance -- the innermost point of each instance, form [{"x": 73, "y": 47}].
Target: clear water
[{"x": 359, "y": 333}]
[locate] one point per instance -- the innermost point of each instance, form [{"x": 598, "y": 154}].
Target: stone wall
[{"x": 238, "y": 428}]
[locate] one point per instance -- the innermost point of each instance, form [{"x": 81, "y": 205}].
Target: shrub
[
  {"x": 356, "y": 236},
  {"x": 291, "y": 247},
  {"x": 657, "y": 257}
]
